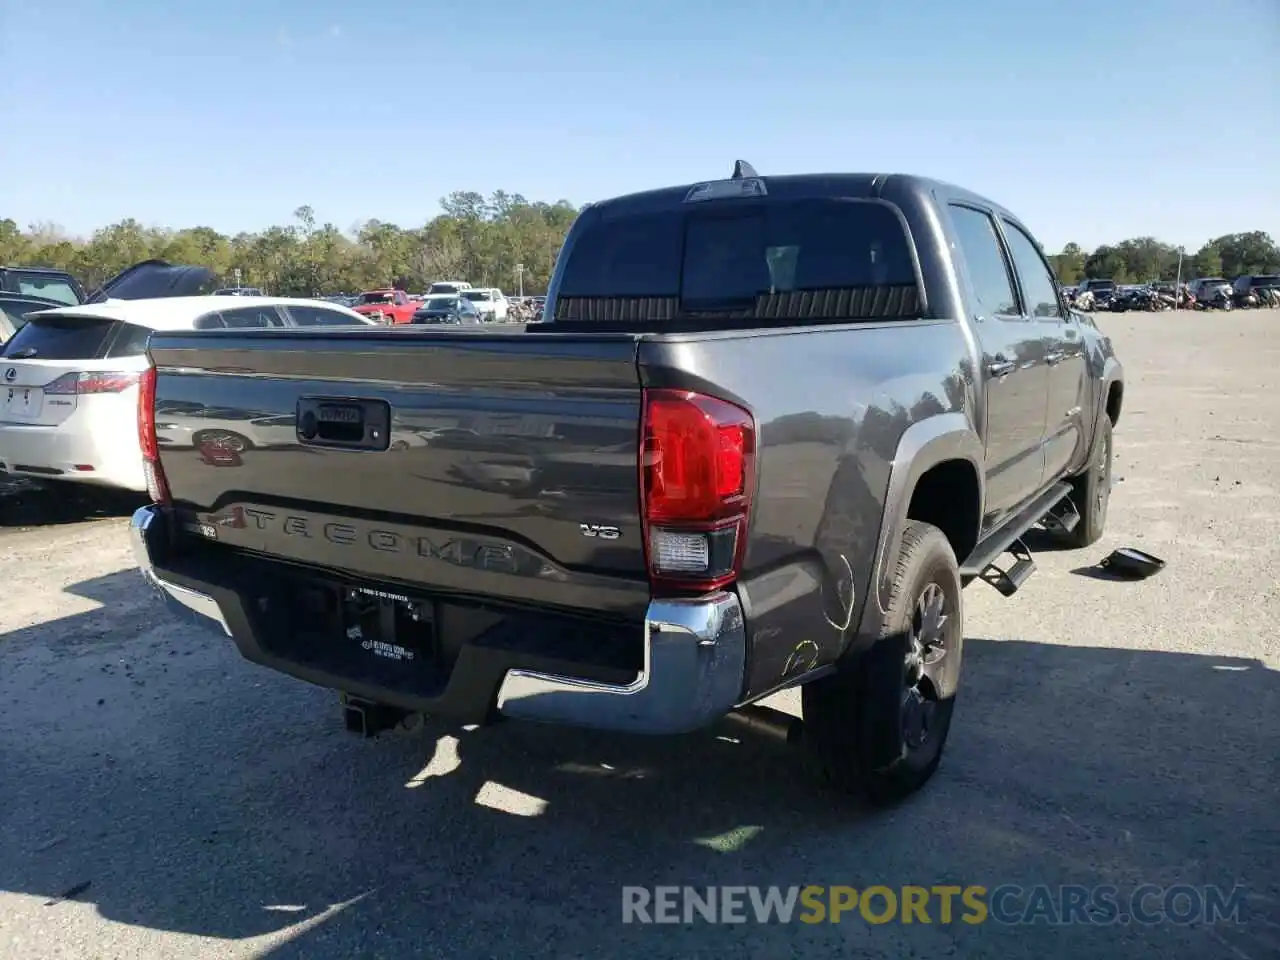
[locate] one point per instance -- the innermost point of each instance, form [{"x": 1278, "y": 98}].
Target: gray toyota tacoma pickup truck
[{"x": 768, "y": 431}]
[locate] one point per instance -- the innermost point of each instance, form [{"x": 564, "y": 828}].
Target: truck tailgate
[{"x": 483, "y": 465}]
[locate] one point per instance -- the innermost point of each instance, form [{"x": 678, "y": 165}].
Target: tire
[
  {"x": 877, "y": 727},
  {"x": 1091, "y": 490}
]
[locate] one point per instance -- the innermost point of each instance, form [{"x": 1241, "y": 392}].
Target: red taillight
[
  {"x": 83, "y": 383},
  {"x": 697, "y": 473},
  {"x": 107, "y": 382},
  {"x": 157, "y": 486}
]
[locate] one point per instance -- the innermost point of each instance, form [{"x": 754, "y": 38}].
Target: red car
[{"x": 386, "y": 306}]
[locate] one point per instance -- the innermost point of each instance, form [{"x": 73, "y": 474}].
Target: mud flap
[{"x": 881, "y": 680}]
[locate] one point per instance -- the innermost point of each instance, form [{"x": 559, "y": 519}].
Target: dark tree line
[
  {"x": 474, "y": 238},
  {"x": 1146, "y": 258}
]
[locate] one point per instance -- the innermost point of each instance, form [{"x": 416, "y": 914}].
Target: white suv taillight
[
  {"x": 697, "y": 475},
  {"x": 87, "y": 383},
  {"x": 157, "y": 486}
]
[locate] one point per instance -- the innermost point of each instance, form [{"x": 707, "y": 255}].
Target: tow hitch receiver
[{"x": 368, "y": 719}]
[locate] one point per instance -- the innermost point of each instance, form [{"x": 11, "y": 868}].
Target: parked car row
[
  {"x": 1202, "y": 293},
  {"x": 444, "y": 298}
]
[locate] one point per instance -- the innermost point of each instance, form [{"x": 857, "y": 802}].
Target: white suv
[{"x": 490, "y": 303}]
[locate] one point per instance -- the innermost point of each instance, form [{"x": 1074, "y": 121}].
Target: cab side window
[
  {"x": 1038, "y": 284},
  {"x": 988, "y": 271}
]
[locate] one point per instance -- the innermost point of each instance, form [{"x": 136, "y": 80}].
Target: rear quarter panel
[{"x": 831, "y": 404}]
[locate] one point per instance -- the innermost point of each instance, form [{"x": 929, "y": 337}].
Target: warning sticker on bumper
[{"x": 392, "y": 651}]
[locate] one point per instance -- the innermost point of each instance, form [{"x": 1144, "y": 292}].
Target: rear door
[
  {"x": 55, "y": 362},
  {"x": 1066, "y": 429},
  {"x": 1013, "y": 355}
]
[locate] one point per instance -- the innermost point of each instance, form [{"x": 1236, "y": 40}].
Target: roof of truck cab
[
  {"x": 179, "y": 313},
  {"x": 806, "y": 186}
]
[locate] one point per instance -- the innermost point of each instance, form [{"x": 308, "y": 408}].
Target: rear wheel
[
  {"x": 1091, "y": 490},
  {"x": 877, "y": 727}
]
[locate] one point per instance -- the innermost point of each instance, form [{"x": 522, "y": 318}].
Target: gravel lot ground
[{"x": 160, "y": 797}]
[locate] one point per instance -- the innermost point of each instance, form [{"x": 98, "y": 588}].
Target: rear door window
[
  {"x": 60, "y": 338},
  {"x": 320, "y": 317},
  {"x": 766, "y": 257},
  {"x": 983, "y": 256},
  {"x": 1038, "y": 284},
  {"x": 245, "y": 318}
]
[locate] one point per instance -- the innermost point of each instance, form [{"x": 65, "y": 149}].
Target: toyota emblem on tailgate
[{"x": 11, "y": 375}]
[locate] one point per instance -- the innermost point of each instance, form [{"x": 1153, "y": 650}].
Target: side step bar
[
  {"x": 1062, "y": 517},
  {"x": 1051, "y": 507},
  {"x": 1008, "y": 581}
]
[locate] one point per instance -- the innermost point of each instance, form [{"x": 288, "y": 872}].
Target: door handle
[
  {"x": 1000, "y": 368},
  {"x": 1054, "y": 358}
]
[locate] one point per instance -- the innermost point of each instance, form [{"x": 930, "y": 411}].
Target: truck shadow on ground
[
  {"x": 34, "y": 503},
  {"x": 176, "y": 788}
]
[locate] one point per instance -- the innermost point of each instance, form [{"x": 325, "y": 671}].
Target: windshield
[
  {"x": 1214, "y": 281},
  {"x": 377, "y": 297},
  {"x": 759, "y": 257},
  {"x": 443, "y": 287},
  {"x": 1271, "y": 280},
  {"x": 481, "y": 295},
  {"x": 1094, "y": 285}
]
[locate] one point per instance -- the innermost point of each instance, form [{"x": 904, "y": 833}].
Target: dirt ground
[{"x": 159, "y": 797}]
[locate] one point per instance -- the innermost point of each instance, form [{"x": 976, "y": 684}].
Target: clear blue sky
[{"x": 232, "y": 114}]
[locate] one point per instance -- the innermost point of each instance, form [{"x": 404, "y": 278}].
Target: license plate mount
[{"x": 24, "y": 403}]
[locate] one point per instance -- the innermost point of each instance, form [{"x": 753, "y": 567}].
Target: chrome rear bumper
[
  {"x": 184, "y": 603},
  {"x": 694, "y": 660},
  {"x": 693, "y": 670}
]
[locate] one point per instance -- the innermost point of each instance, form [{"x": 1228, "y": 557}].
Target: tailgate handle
[{"x": 345, "y": 423}]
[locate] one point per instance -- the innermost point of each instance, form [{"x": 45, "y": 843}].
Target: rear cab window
[{"x": 759, "y": 261}]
